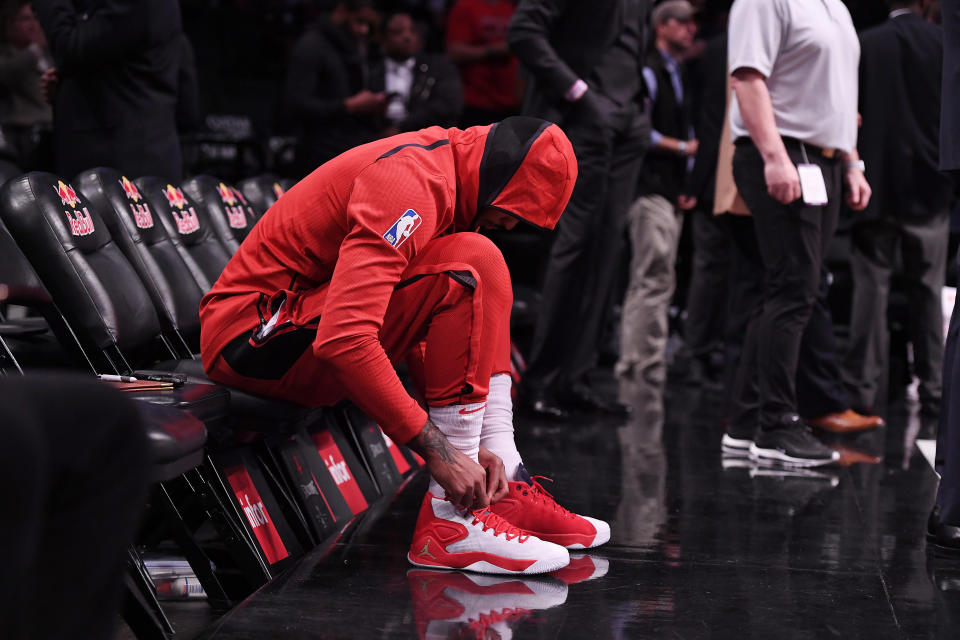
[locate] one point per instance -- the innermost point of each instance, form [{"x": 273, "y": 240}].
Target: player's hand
[
  {"x": 692, "y": 146},
  {"x": 858, "y": 189},
  {"x": 686, "y": 203},
  {"x": 463, "y": 480},
  {"x": 48, "y": 85},
  {"x": 366, "y": 102},
  {"x": 783, "y": 181},
  {"x": 497, "y": 486}
]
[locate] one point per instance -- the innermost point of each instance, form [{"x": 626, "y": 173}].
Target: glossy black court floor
[{"x": 702, "y": 547}]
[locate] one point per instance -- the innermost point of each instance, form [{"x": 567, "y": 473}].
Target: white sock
[
  {"x": 461, "y": 424},
  {"x": 497, "y": 433}
]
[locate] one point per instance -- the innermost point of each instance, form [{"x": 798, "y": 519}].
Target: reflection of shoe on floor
[
  {"x": 794, "y": 472},
  {"x": 736, "y": 461},
  {"x": 451, "y": 604},
  {"x": 530, "y": 507},
  {"x": 482, "y": 541},
  {"x": 582, "y": 568},
  {"x": 791, "y": 443},
  {"x": 848, "y": 421}
]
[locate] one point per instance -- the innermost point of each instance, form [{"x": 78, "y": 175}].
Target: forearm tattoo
[{"x": 431, "y": 442}]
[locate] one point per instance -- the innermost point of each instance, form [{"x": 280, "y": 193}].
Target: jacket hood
[{"x": 522, "y": 166}]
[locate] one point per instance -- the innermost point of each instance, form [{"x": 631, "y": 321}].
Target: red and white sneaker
[
  {"x": 530, "y": 507},
  {"x": 451, "y": 604},
  {"x": 480, "y": 540}
]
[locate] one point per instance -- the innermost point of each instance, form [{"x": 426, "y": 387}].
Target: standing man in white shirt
[{"x": 793, "y": 118}]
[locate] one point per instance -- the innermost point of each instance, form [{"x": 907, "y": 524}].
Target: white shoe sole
[
  {"x": 544, "y": 565},
  {"x": 777, "y": 456},
  {"x": 735, "y": 446}
]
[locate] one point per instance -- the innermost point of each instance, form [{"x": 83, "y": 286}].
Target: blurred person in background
[
  {"x": 119, "y": 67},
  {"x": 25, "y": 116},
  {"x": 793, "y": 68},
  {"x": 422, "y": 89},
  {"x": 908, "y": 219},
  {"x": 477, "y": 43},
  {"x": 326, "y": 90},
  {"x": 584, "y": 61},
  {"x": 656, "y": 216}
]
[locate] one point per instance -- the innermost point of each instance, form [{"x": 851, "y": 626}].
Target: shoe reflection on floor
[{"x": 456, "y": 604}]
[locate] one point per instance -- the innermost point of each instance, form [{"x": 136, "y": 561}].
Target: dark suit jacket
[
  {"x": 436, "y": 96},
  {"x": 900, "y": 64},
  {"x": 709, "y": 96},
  {"x": 119, "y": 63},
  {"x": 324, "y": 69},
  {"x": 558, "y": 41},
  {"x": 950, "y": 115}
]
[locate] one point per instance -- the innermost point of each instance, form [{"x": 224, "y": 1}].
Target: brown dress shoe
[{"x": 847, "y": 421}]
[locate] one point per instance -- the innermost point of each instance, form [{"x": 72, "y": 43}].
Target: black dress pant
[
  {"x": 793, "y": 242},
  {"x": 707, "y": 295},
  {"x": 948, "y": 435},
  {"x": 588, "y": 243},
  {"x": 819, "y": 382},
  {"x": 73, "y": 471}
]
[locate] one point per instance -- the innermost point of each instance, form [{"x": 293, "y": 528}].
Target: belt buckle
[{"x": 828, "y": 153}]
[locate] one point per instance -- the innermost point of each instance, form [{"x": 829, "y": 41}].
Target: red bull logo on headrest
[
  {"x": 238, "y": 195},
  {"x": 226, "y": 194},
  {"x": 175, "y": 197},
  {"x": 81, "y": 224},
  {"x": 130, "y": 189},
  {"x": 67, "y": 194}
]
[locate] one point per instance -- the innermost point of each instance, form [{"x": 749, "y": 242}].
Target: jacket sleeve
[
  {"x": 368, "y": 268},
  {"x": 304, "y": 73},
  {"x": 446, "y": 99},
  {"x": 529, "y": 38},
  {"x": 79, "y": 41}
]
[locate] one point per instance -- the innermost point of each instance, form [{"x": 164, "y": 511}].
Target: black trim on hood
[
  {"x": 425, "y": 147},
  {"x": 506, "y": 148}
]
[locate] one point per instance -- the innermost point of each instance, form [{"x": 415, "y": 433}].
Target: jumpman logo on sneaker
[
  {"x": 425, "y": 552},
  {"x": 466, "y": 411}
]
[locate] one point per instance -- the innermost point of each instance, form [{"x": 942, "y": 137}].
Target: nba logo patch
[{"x": 402, "y": 228}]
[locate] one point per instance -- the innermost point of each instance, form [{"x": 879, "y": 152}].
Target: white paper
[{"x": 812, "y": 185}]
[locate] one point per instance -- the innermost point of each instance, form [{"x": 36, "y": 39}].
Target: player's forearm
[{"x": 757, "y": 113}]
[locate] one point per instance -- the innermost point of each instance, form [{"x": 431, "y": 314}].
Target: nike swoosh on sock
[{"x": 465, "y": 411}]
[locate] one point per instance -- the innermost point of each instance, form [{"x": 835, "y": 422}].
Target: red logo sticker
[
  {"x": 81, "y": 224},
  {"x": 67, "y": 195},
  {"x": 130, "y": 189},
  {"x": 328, "y": 450},
  {"x": 256, "y": 513}
]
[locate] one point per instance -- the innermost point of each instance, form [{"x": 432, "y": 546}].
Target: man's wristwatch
[
  {"x": 682, "y": 146},
  {"x": 858, "y": 164}
]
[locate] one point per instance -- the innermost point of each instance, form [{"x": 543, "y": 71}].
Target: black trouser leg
[
  {"x": 743, "y": 311},
  {"x": 819, "y": 379},
  {"x": 79, "y": 503},
  {"x": 578, "y": 278},
  {"x": 707, "y": 296},
  {"x": 792, "y": 241}
]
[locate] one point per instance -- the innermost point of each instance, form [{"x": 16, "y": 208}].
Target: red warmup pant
[{"x": 449, "y": 317}]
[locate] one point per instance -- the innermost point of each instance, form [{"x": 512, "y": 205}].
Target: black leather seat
[
  {"x": 262, "y": 191},
  {"x": 95, "y": 286},
  {"x": 188, "y": 226},
  {"x": 147, "y": 245},
  {"x": 228, "y": 211}
]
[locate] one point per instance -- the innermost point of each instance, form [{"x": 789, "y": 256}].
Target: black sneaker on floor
[
  {"x": 792, "y": 444},
  {"x": 736, "y": 444}
]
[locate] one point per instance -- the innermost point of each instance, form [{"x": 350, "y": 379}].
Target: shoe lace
[
  {"x": 490, "y": 520},
  {"x": 542, "y": 495}
]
